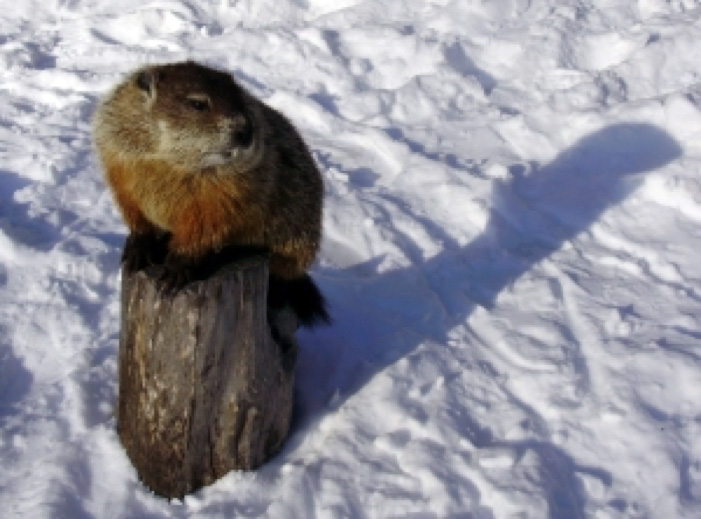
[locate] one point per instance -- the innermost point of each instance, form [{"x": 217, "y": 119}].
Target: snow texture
[{"x": 513, "y": 202}]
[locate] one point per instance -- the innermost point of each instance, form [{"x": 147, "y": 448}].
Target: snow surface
[{"x": 511, "y": 252}]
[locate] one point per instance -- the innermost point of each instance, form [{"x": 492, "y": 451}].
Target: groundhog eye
[{"x": 201, "y": 105}]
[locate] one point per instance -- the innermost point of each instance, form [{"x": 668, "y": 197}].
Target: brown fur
[{"x": 201, "y": 175}]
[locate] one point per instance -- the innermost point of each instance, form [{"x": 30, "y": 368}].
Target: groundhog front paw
[
  {"x": 177, "y": 272},
  {"x": 143, "y": 250}
]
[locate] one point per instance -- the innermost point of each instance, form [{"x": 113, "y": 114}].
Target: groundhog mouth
[{"x": 220, "y": 158}]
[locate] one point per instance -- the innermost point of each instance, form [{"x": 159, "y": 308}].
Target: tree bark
[{"x": 203, "y": 387}]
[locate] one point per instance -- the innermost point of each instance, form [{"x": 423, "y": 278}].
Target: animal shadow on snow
[{"x": 532, "y": 216}]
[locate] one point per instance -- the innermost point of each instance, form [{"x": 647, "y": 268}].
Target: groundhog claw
[
  {"x": 142, "y": 250},
  {"x": 177, "y": 272}
]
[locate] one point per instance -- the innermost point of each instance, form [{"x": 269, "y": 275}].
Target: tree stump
[{"x": 203, "y": 387}]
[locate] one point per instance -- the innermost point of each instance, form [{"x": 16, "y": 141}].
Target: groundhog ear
[{"x": 145, "y": 81}]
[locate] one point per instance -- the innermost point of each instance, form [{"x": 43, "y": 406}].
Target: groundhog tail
[{"x": 302, "y": 296}]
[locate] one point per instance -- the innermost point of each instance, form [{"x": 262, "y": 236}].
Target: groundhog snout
[{"x": 240, "y": 131}]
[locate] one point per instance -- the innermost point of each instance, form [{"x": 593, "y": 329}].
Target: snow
[{"x": 511, "y": 240}]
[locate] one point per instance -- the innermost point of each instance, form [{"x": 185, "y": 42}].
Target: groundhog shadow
[{"x": 380, "y": 317}]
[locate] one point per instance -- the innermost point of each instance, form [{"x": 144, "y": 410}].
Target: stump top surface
[{"x": 228, "y": 260}]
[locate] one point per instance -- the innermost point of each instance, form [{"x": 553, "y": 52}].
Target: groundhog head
[{"x": 190, "y": 115}]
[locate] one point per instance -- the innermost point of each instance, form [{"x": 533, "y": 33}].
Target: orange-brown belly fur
[{"x": 202, "y": 212}]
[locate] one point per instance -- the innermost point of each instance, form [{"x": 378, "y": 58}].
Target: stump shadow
[{"x": 533, "y": 214}]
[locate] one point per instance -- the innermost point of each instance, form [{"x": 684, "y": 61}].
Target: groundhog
[{"x": 198, "y": 165}]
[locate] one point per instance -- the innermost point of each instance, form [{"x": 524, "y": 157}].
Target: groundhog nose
[{"x": 242, "y": 133}]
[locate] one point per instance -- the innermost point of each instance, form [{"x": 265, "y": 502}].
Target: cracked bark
[{"x": 203, "y": 387}]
